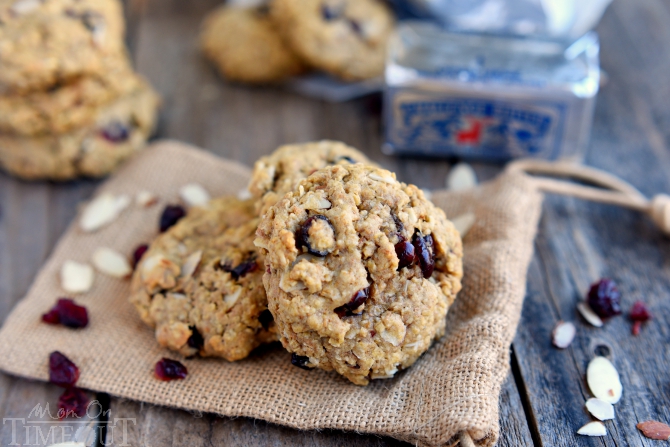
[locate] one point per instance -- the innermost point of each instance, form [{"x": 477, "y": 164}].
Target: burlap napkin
[{"x": 454, "y": 387}]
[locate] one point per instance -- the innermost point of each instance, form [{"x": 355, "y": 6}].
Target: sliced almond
[
  {"x": 194, "y": 194},
  {"x": 232, "y": 298},
  {"x": 603, "y": 380},
  {"x": 102, "y": 210},
  {"x": 600, "y": 409},
  {"x": 191, "y": 264},
  {"x": 145, "y": 199},
  {"x": 588, "y": 314},
  {"x": 463, "y": 223},
  {"x": 76, "y": 277},
  {"x": 655, "y": 430},
  {"x": 379, "y": 178},
  {"x": 111, "y": 263},
  {"x": 563, "y": 334},
  {"x": 593, "y": 429},
  {"x": 243, "y": 194},
  {"x": 461, "y": 177}
]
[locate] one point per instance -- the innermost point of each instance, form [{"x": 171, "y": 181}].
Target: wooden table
[{"x": 542, "y": 401}]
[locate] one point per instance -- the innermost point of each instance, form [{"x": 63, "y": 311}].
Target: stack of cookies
[
  {"x": 70, "y": 103},
  {"x": 350, "y": 269},
  {"x": 346, "y": 38}
]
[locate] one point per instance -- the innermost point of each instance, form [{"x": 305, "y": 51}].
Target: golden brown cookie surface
[
  {"x": 245, "y": 46},
  {"x": 119, "y": 130},
  {"x": 200, "y": 283},
  {"x": 360, "y": 271}
]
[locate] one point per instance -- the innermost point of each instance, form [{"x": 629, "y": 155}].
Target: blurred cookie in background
[
  {"x": 346, "y": 38},
  {"x": 118, "y": 130},
  {"x": 45, "y": 43},
  {"x": 243, "y": 44},
  {"x": 70, "y": 103}
]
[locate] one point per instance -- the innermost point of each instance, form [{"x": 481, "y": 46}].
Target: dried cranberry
[
  {"x": 67, "y": 313},
  {"x": 168, "y": 369},
  {"x": 405, "y": 252},
  {"x": 115, "y": 132},
  {"x": 347, "y": 310},
  {"x": 138, "y": 253},
  {"x": 330, "y": 13},
  {"x": 171, "y": 215},
  {"x": 266, "y": 319},
  {"x": 423, "y": 246},
  {"x": 303, "y": 234},
  {"x": 73, "y": 402},
  {"x": 195, "y": 341},
  {"x": 62, "y": 371},
  {"x": 639, "y": 314},
  {"x": 241, "y": 269},
  {"x": 604, "y": 298},
  {"x": 300, "y": 361}
]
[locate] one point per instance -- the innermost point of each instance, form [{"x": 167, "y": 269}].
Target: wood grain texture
[{"x": 580, "y": 242}]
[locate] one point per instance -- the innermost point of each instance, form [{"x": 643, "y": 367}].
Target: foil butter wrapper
[{"x": 488, "y": 96}]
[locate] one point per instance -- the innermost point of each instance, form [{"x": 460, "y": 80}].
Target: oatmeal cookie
[
  {"x": 46, "y": 43},
  {"x": 346, "y": 38},
  {"x": 200, "y": 284},
  {"x": 65, "y": 107},
  {"x": 280, "y": 172},
  {"x": 120, "y": 129},
  {"x": 360, "y": 271},
  {"x": 244, "y": 45}
]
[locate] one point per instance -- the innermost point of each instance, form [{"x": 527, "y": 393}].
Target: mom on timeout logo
[{"x": 42, "y": 427}]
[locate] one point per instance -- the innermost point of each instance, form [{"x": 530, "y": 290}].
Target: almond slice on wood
[
  {"x": 463, "y": 223},
  {"x": 588, "y": 314},
  {"x": 76, "y": 277},
  {"x": 145, "y": 199},
  {"x": 655, "y": 430},
  {"x": 603, "y": 380},
  {"x": 102, "y": 210},
  {"x": 461, "y": 177},
  {"x": 111, "y": 263},
  {"x": 600, "y": 409},
  {"x": 563, "y": 334},
  {"x": 593, "y": 429},
  {"x": 194, "y": 194}
]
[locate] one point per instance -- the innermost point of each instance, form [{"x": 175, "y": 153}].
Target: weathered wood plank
[{"x": 580, "y": 242}]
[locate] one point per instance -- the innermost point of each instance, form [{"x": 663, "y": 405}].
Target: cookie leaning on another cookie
[
  {"x": 244, "y": 45},
  {"x": 280, "y": 172},
  {"x": 199, "y": 284},
  {"x": 347, "y": 38},
  {"x": 360, "y": 271},
  {"x": 119, "y": 130}
]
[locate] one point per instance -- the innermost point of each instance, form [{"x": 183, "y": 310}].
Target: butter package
[{"x": 488, "y": 96}]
